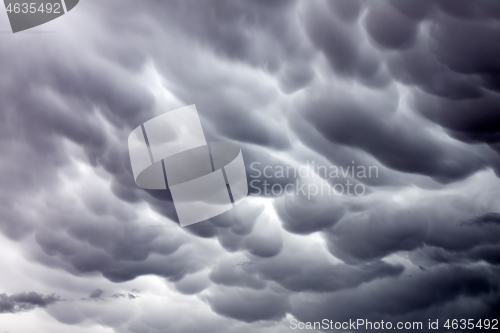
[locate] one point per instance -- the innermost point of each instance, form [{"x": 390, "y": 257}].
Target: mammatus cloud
[{"x": 408, "y": 88}]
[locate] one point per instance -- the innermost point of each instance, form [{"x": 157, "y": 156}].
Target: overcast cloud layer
[{"x": 411, "y": 87}]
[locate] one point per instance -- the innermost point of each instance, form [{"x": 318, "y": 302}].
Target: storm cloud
[
  {"x": 409, "y": 88},
  {"x": 25, "y": 302}
]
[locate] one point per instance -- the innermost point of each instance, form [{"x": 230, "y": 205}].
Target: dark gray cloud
[
  {"x": 411, "y": 228},
  {"x": 96, "y": 294},
  {"x": 409, "y": 88},
  {"x": 322, "y": 212},
  {"x": 382, "y": 19},
  {"x": 99, "y": 295},
  {"x": 250, "y": 305},
  {"x": 404, "y": 297},
  {"x": 489, "y": 218},
  {"x": 27, "y": 301},
  {"x": 345, "y": 119}
]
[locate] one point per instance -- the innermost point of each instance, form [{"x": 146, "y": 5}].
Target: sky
[{"x": 411, "y": 89}]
